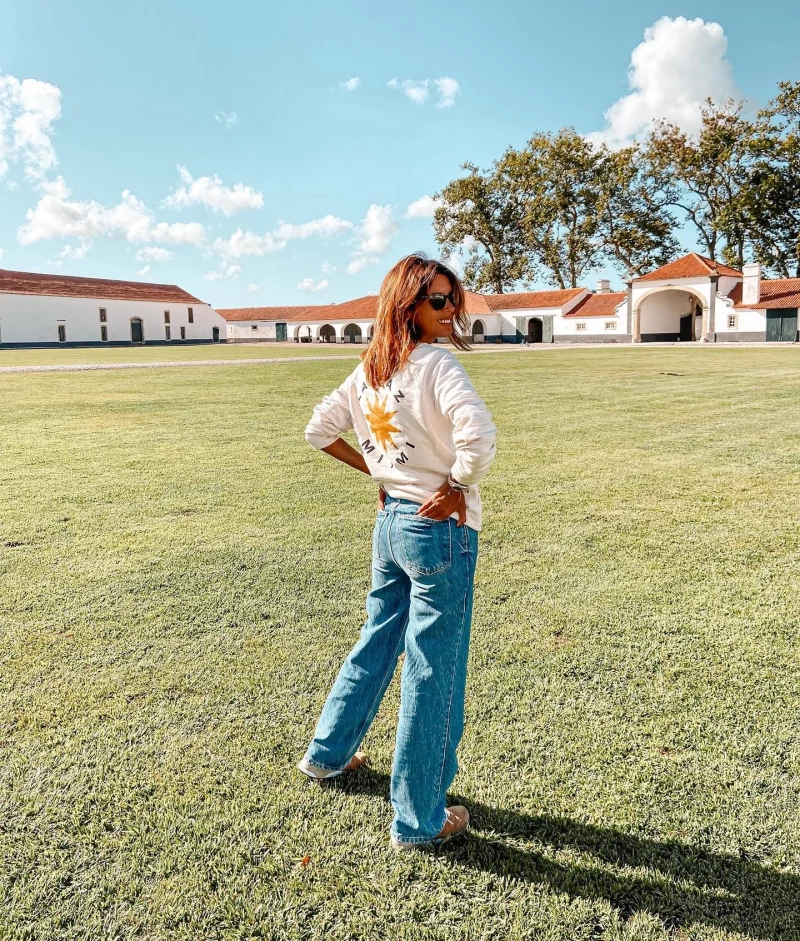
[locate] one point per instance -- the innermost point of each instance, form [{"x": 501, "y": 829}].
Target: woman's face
[{"x": 436, "y": 323}]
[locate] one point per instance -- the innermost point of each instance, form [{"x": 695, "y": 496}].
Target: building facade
[
  {"x": 533, "y": 317},
  {"x": 692, "y": 299},
  {"x": 42, "y": 310}
]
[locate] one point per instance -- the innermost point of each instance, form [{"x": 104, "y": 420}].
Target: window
[
  {"x": 611, "y": 325},
  {"x": 732, "y": 321},
  {"x": 191, "y": 315},
  {"x": 167, "y": 333},
  {"x": 103, "y": 317},
  {"x": 254, "y": 326},
  {"x": 183, "y": 333},
  {"x": 62, "y": 333},
  {"x": 103, "y": 332},
  {"x": 580, "y": 326},
  {"x": 166, "y": 316}
]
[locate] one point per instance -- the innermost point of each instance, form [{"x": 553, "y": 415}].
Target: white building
[
  {"x": 690, "y": 299},
  {"x": 696, "y": 298},
  {"x": 537, "y": 316},
  {"x": 45, "y": 310}
]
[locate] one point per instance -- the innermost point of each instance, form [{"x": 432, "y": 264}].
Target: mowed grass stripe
[{"x": 182, "y": 576}]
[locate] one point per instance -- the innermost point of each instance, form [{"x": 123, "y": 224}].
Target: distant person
[{"x": 426, "y": 438}]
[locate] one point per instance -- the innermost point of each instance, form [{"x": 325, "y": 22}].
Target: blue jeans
[{"x": 421, "y": 599}]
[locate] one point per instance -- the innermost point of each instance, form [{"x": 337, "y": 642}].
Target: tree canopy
[{"x": 562, "y": 205}]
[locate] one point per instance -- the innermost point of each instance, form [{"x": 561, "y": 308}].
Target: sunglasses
[{"x": 438, "y": 301}]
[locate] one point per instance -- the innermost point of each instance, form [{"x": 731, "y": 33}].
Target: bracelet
[{"x": 457, "y": 485}]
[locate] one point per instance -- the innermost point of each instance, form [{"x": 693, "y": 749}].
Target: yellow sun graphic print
[{"x": 380, "y": 423}]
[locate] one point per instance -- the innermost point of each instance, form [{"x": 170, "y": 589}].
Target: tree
[
  {"x": 706, "y": 176},
  {"x": 773, "y": 193},
  {"x": 478, "y": 215},
  {"x": 554, "y": 183},
  {"x": 635, "y": 225}
]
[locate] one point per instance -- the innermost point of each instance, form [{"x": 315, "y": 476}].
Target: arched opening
[
  {"x": 302, "y": 333},
  {"x": 352, "y": 333},
  {"x": 668, "y": 315},
  {"x": 371, "y": 332},
  {"x": 478, "y": 332},
  {"x": 535, "y": 330},
  {"x": 137, "y": 330},
  {"x": 327, "y": 334}
]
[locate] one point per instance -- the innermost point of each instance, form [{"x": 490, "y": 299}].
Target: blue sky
[{"x": 146, "y": 88}]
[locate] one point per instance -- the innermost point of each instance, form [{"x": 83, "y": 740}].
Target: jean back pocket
[{"x": 427, "y": 544}]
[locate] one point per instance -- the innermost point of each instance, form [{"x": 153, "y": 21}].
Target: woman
[{"x": 426, "y": 438}]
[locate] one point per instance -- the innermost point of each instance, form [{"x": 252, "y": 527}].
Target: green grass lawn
[
  {"x": 174, "y": 353},
  {"x": 182, "y": 576}
]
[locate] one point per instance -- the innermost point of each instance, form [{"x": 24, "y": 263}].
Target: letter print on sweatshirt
[{"x": 381, "y": 413}]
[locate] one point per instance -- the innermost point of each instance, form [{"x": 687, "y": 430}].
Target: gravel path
[
  {"x": 81, "y": 367},
  {"x": 505, "y": 348}
]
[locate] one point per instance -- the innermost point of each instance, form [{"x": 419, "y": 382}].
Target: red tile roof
[
  {"x": 267, "y": 313},
  {"x": 60, "y": 285},
  {"x": 690, "y": 266},
  {"x": 532, "y": 299},
  {"x": 361, "y": 308},
  {"x": 783, "y": 292},
  {"x": 598, "y": 305}
]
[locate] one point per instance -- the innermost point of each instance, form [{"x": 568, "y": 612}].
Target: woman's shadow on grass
[{"x": 678, "y": 883}]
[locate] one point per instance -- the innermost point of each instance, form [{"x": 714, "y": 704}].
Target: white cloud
[
  {"x": 57, "y": 216},
  {"x": 228, "y": 118},
  {"x": 351, "y": 84},
  {"x": 420, "y": 90},
  {"x": 417, "y": 91},
  {"x": 376, "y": 232},
  {"x": 226, "y": 271},
  {"x": 209, "y": 192},
  {"x": 28, "y": 109},
  {"x": 422, "y": 208},
  {"x": 448, "y": 90},
  {"x": 328, "y": 268},
  {"x": 12, "y": 185},
  {"x": 253, "y": 288},
  {"x": 145, "y": 270},
  {"x": 360, "y": 262},
  {"x": 326, "y": 226},
  {"x": 308, "y": 284},
  {"x": 249, "y": 243},
  {"x": 2, "y": 252},
  {"x": 153, "y": 253},
  {"x": 680, "y": 63},
  {"x": 74, "y": 251},
  {"x": 378, "y": 228}
]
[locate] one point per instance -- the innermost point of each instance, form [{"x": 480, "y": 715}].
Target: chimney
[
  {"x": 751, "y": 284},
  {"x": 604, "y": 287}
]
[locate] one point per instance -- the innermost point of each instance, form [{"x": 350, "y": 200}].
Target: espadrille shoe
[
  {"x": 457, "y": 820},
  {"x": 315, "y": 773}
]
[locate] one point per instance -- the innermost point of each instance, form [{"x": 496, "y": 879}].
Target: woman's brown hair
[{"x": 396, "y": 333}]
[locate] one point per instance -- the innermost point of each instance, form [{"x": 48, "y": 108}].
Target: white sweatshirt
[{"x": 425, "y": 423}]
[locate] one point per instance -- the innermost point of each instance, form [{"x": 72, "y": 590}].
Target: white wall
[
  {"x": 34, "y": 318},
  {"x": 747, "y": 321},
  {"x": 595, "y": 326},
  {"x": 662, "y": 312},
  {"x": 251, "y": 329}
]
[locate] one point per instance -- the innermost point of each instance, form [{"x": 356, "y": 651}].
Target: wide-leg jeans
[{"x": 421, "y": 601}]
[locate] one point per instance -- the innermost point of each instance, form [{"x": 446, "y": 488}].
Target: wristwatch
[{"x": 457, "y": 485}]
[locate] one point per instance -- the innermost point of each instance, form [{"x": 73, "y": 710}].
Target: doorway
[
  {"x": 782, "y": 325},
  {"x": 534, "y": 330},
  {"x": 137, "y": 331}
]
